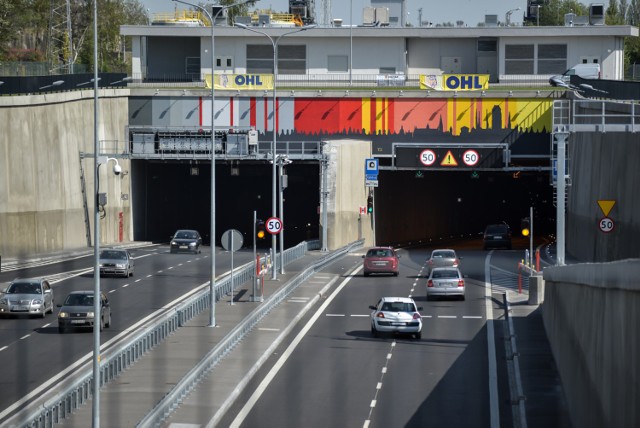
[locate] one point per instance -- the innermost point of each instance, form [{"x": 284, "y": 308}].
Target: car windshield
[
  {"x": 79, "y": 300},
  {"x": 24, "y": 288},
  {"x": 380, "y": 252},
  {"x": 183, "y": 234},
  {"x": 445, "y": 273},
  {"x": 113, "y": 255},
  {"x": 444, "y": 255},
  {"x": 398, "y": 307}
]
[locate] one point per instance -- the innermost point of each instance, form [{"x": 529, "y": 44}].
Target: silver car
[
  {"x": 442, "y": 258},
  {"x": 445, "y": 282},
  {"x": 29, "y": 296},
  {"x": 116, "y": 262},
  {"x": 77, "y": 311},
  {"x": 396, "y": 315}
]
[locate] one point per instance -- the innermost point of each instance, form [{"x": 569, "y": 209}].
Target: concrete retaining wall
[
  {"x": 42, "y": 206},
  {"x": 603, "y": 166},
  {"x": 591, "y": 317},
  {"x": 347, "y": 193}
]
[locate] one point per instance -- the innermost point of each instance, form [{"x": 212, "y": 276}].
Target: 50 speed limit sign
[
  {"x": 427, "y": 157},
  {"x": 606, "y": 225},
  {"x": 273, "y": 225},
  {"x": 470, "y": 157}
]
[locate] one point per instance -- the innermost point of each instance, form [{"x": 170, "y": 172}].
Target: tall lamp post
[
  {"x": 274, "y": 161},
  {"x": 282, "y": 161},
  {"x": 212, "y": 280},
  {"x": 95, "y": 405}
]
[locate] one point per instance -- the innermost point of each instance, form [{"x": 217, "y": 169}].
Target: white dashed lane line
[{"x": 466, "y": 317}]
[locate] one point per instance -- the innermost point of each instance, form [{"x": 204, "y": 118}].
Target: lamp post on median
[
  {"x": 274, "y": 43},
  {"x": 212, "y": 279},
  {"x": 95, "y": 405}
]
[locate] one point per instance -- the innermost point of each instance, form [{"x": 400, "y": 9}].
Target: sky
[{"x": 469, "y": 11}]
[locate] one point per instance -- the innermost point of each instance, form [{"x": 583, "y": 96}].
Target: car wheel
[
  {"x": 374, "y": 332},
  {"x": 419, "y": 335},
  {"x": 462, "y": 298},
  {"x": 101, "y": 323},
  {"x": 61, "y": 329},
  {"x": 107, "y": 323},
  {"x": 172, "y": 251},
  {"x": 366, "y": 274},
  {"x": 396, "y": 273}
]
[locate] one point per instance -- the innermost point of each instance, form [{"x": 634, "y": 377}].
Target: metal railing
[
  {"x": 171, "y": 400},
  {"x": 580, "y": 115},
  {"x": 77, "y": 390}
]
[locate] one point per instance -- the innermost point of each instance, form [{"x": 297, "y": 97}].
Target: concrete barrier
[
  {"x": 536, "y": 289},
  {"x": 591, "y": 316}
]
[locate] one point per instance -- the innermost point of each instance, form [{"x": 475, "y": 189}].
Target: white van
[{"x": 586, "y": 71}]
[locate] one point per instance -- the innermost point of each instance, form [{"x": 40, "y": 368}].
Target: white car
[{"x": 396, "y": 315}]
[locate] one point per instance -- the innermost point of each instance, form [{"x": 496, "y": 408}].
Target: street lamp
[
  {"x": 282, "y": 161},
  {"x": 350, "y": 42},
  {"x": 56, "y": 83},
  {"x": 212, "y": 280},
  {"x": 274, "y": 43},
  {"x": 507, "y": 16},
  {"x": 95, "y": 405}
]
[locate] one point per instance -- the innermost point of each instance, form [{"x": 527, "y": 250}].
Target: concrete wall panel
[
  {"x": 590, "y": 315},
  {"x": 41, "y": 197}
]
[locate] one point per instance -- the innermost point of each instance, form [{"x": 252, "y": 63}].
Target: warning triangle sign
[{"x": 449, "y": 160}]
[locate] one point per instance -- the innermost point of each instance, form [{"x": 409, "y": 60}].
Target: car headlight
[
  {"x": 174, "y": 243},
  {"x": 192, "y": 244},
  {"x": 36, "y": 302},
  {"x": 121, "y": 265},
  {"x": 89, "y": 314},
  {"x": 63, "y": 314}
]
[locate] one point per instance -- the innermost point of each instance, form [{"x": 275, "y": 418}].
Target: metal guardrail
[
  {"x": 171, "y": 400},
  {"x": 516, "y": 394},
  {"x": 580, "y": 115},
  {"x": 78, "y": 391}
]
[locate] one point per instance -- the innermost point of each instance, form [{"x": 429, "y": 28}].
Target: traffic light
[
  {"x": 260, "y": 229},
  {"x": 525, "y": 226},
  {"x": 370, "y": 204}
]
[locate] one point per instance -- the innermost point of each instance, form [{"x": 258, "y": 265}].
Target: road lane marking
[
  {"x": 491, "y": 347},
  {"x": 242, "y": 414}
]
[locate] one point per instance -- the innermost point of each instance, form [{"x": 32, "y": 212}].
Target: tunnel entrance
[{"x": 408, "y": 205}]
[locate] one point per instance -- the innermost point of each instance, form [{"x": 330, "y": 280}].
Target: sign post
[{"x": 232, "y": 241}]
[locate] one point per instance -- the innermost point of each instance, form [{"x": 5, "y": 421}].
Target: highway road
[
  {"x": 337, "y": 374},
  {"x": 34, "y": 356}
]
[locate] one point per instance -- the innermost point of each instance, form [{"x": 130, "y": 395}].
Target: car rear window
[
  {"x": 380, "y": 253},
  {"x": 445, "y": 273},
  {"x": 498, "y": 228},
  {"x": 444, "y": 255}
]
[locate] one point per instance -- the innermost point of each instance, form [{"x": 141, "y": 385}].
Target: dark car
[
  {"x": 497, "y": 236},
  {"x": 116, "y": 262},
  {"x": 186, "y": 240},
  {"x": 77, "y": 311},
  {"x": 381, "y": 260},
  {"x": 27, "y": 296}
]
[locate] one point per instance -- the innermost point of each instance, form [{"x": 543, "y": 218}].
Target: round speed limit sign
[
  {"x": 606, "y": 225},
  {"x": 470, "y": 157},
  {"x": 273, "y": 225},
  {"x": 427, "y": 157}
]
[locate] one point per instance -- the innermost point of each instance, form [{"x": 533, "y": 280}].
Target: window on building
[
  {"x": 292, "y": 59},
  {"x": 338, "y": 63},
  {"x": 192, "y": 67},
  {"x": 387, "y": 70},
  {"x": 552, "y": 59},
  {"x": 519, "y": 59}
]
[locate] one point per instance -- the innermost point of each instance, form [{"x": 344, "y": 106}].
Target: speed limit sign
[
  {"x": 606, "y": 225},
  {"x": 273, "y": 225},
  {"x": 427, "y": 157},
  {"x": 470, "y": 157}
]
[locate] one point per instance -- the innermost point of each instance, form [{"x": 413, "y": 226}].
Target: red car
[{"x": 381, "y": 260}]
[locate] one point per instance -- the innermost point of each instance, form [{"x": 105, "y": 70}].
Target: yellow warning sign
[
  {"x": 449, "y": 160},
  {"x": 606, "y": 206}
]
